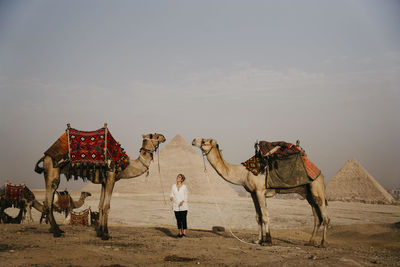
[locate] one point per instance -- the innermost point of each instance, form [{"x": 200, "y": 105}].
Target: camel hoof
[
  {"x": 105, "y": 237},
  {"x": 323, "y": 245},
  {"x": 264, "y": 243},
  {"x": 57, "y": 234},
  {"x": 311, "y": 244}
]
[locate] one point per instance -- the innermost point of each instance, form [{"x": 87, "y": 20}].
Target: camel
[
  {"x": 135, "y": 168},
  {"x": 71, "y": 205},
  {"x": 255, "y": 185},
  {"x": 28, "y": 200}
]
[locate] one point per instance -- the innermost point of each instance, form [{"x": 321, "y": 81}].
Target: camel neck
[
  {"x": 234, "y": 174},
  {"x": 136, "y": 167}
]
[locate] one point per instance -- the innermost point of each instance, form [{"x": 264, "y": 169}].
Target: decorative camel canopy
[
  {"x": 99, "y": 159},
  {"x": 255, "y": 184}
]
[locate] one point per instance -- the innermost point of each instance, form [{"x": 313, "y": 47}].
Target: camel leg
[
  {"x": 258, "y": 216},
  {"x": 317, "y": 220},
  {"x": 107, "y": 200},
  {"x": 317, "y": 189},
  {"x": 29, "y": 211},
  {"x": 99, "y": 227},
  {"x": 266, "y": 238},
  {"x": 52, "y": 180},
  {"x": 259, "y": 202}
]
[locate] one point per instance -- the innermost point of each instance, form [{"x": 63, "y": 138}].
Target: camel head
[
  {"x": 85, "y": 194},
  {"x": 152, "y": 141},
  {"x": 205, "y": 144}
]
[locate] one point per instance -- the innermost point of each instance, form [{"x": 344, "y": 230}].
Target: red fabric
[
  {"x": 285, "y": 150},
  {"x": 312, "y": 171},
  {"x": 63, "y": 201},
  {"x": 88, "y": 146},
  {"x": 14, "y": 192},
  {"x": 81, "y": 218}
]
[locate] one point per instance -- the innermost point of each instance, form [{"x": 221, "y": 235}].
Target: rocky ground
[{"x": 143, "y": 233}]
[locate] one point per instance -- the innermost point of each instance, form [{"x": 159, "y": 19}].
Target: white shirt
[{"x": 178, "y": 196}]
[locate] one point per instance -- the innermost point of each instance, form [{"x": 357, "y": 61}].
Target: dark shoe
[{"x": 179, "y": 236}]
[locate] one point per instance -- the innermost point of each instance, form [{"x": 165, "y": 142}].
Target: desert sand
[{"x": 143, "y": 233}]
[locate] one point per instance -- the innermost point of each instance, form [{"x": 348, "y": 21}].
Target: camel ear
[
  {"x": 213, "y": 142},
  {"x": 143, "y": 135}
]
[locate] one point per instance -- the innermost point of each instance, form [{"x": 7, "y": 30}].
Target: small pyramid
[
  {"x": 175, "y": 157},
  {"x": 354, "y": 183}
]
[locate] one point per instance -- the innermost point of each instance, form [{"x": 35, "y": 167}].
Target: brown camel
[
  {"x": 26, "y": 202},
  {"x": 64, "y": 203},
  {"x": 255, "y": 185},
  {"x": 135, "y": 168}
]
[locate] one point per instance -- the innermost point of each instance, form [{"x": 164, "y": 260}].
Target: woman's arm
[
  {"x": 185, "y": 194},
  {"x": 171, "y": 195}
]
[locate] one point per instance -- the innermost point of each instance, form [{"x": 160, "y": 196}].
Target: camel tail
[{"x": 39, "y": 169}]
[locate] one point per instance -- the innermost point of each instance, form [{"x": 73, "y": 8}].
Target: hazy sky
[{"x": 327, "y": 72}]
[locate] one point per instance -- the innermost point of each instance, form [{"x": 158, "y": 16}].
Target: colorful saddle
[
  {"x": 80, "y": 218},
  {"x": 87, "y": 151},
  {"x": 286, "y": 168},
  {"x": 63, "y": 200}
]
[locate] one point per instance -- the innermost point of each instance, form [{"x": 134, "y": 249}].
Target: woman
[{"x": 179, "y": 196}]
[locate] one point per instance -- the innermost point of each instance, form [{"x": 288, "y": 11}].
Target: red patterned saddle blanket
[
  {"x": 14, "y": 192},
  {"x": 89, "y": 147},
  {"x": 80, "y": 218}
]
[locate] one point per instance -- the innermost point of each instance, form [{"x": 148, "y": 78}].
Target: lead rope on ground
[{"x": 219, "y": 209}]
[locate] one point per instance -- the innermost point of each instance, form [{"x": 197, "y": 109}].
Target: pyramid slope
[
  {"x": 354, "y": 183},
  {"x": 176, "y": 157}
]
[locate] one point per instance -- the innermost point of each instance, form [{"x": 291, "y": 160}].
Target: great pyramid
[
  {"x": 354, "y": 183},
  {"x": 176, "y": 157}
]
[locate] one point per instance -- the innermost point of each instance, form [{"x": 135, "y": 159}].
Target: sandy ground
[{"x": 143, "y": 233}]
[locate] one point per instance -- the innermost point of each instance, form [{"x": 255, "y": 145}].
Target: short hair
[{"x": 183, "y": 176}]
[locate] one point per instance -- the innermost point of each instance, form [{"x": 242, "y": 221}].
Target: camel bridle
[
  {"x": 204, "y": 144},
  {"x": 149, "y": 151}
]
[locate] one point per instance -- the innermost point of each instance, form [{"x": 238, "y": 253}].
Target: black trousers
[{"x": 181, "y": 219}]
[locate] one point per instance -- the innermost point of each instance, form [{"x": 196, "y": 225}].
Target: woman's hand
[
  {"x": 181, "y": 203},
  {"x": 171, "y": 198}
]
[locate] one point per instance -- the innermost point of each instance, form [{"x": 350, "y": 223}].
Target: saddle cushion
[
  {"x": 285, "y": 150},
  {"x": 14, "y": 192},
  {"x": 80, "y": 218},
  {"x": 63, "y": 200}
]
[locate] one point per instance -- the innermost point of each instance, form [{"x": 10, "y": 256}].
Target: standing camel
[
  {"x": 255, "y": 185},
  {"x": 134, "y": 168}
]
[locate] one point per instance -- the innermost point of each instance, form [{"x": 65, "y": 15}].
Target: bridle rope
[
  {"x": 158, "y": 163},
  {"x": 215, "y": 200}
]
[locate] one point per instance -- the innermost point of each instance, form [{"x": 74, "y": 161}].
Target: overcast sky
[{"x": 326, "y": 72}]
